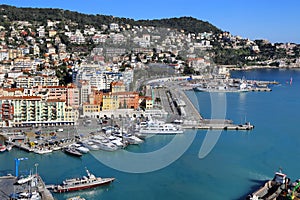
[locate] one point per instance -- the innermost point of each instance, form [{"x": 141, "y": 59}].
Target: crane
[{"x": 17, "y": 163}]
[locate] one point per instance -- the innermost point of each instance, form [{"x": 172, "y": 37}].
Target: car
[{"x": 39, "y": 137}]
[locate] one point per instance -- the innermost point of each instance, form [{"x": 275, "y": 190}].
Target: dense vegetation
[{"x": 188, "y": 24}]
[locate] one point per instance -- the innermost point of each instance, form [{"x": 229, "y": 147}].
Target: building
[
  {"x": 117, "y": 86},
  {"x": 32, "y": 81},
  {"x": 84, "y": 91},
  {"x": 114, "y": 27},
  {"x": 34, "y": 111},
  {"x": 110, "y": 101},
  {"x": 91, "y": 109},
  {"x": 127, "y": 99}
]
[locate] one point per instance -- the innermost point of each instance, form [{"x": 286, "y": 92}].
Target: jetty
[
  {"x": 9, "y": 189},
  {"x": 180, "y": 107}
]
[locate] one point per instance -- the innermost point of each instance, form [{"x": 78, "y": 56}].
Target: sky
[{"x": 274, "y": 20}]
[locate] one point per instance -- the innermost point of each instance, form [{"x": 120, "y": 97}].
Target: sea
[{"x": 236, "y": 164}]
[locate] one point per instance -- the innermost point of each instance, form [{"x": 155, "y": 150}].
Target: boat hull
[
  {"x": 83, "y": 187},
  {"x": 73, "y": 152},
  {"x": 199, "y": 89},
  {"x": 155, "y": 132}
]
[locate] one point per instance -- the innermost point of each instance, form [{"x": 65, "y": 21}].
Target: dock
[
  {"x": 219, "y": 125},
  {"x": 8, "y": 188},
  {"x": 189, "y": 114}
]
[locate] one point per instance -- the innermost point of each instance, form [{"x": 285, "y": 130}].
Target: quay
[
  {"x": 9, "y": 188},
  {"x": 186, "y": 111},
  {"x": 220, "y": 126}
]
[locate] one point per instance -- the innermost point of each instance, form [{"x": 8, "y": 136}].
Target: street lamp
[{"x": 36, "y": 165}]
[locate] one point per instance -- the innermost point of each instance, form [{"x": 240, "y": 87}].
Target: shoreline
[{"x": 254, "y": 67}]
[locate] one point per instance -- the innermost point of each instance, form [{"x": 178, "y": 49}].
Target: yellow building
[
  {"x": 110, "y": 101},
  {"x": 91, "y": 108}
]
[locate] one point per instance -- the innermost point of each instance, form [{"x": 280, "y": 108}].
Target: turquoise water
[{"x": 238, "y": 163}]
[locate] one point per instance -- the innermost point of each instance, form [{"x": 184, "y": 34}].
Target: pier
[
  {"x": 173, "y": 93},
  {"x": 9, "y": 188}
]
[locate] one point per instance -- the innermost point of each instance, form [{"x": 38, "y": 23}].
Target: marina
[{"x": 230, "y": 140}]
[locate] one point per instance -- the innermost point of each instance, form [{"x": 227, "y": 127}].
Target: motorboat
[
  {"x": 119, "y": 142},
  {"x": 76, "y": 198},
  {"x": 131, "y": 139},
  {"x": 72, "y": 151},
  {"x": 90, "y": 145},
  {"x": 9, "y": 147},
  {"x": 80, "y": 148},
  {"x": 2, "y": 148},
  {"x": 272, "y": 188},
  {"x": 105, "y": 144},
  {"x": 42, "y": 150},
  {"x": 25, "y": 179}
]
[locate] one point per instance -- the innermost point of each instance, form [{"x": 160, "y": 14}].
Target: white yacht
[
  {"x": 131, "y": 139},
  {"x": 80, "y": 148},
  {"x": 25, "y": 179},
  {"x": 42, "y": 150},
  {"x": 105, "y": 144},
  {"x": 90, "y": 145},
  {"x": 117, "y": 141},
  {"x": 161, "y": 129}
]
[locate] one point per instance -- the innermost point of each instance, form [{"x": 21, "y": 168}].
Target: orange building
[{"x": 128, "y": 99}]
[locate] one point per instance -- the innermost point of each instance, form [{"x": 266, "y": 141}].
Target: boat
[
  {"x": 42, "y": 150},
  {"x": 72, "y": 151},
  {"x": 161, "y": 129},
  {"x": 118, "y": 141},
  {"x": 272, "y": 188},
  {"x": 26, "y": 195},
  {"x": 25, "y": 179},
  {"x": 35, "y": 196},
  {"x": 76, "y": 198},
  {"x": 222, "y": 88},
  {"x": 80, "y": 148},
  {"x": 9, "y": 147},
  {"x": 56, "y": 148},
  {"x": 132, "y": 139},
  {"x": 105, "y": 144},
  {"x": 90, "y": 145},
  {"x": 85, "y": 182},
  {"x": 2, "y": 148}
]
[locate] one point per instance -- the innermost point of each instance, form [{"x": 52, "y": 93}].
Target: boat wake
[{"x": 259, "y": 177}]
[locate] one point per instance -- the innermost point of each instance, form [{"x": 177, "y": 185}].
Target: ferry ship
[
  {"x": 161, "y": 129},
  {"x": 222, "y": 88},
  {"x": 85, "y": 182}
]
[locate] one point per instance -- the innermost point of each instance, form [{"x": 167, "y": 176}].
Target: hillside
[{"x": 188, "y": 24}]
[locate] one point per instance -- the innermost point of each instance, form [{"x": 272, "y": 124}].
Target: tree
[{"x": 188, "y": 70}]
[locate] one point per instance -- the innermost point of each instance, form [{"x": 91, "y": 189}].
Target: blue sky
[{"x": 275, "y": 20}]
